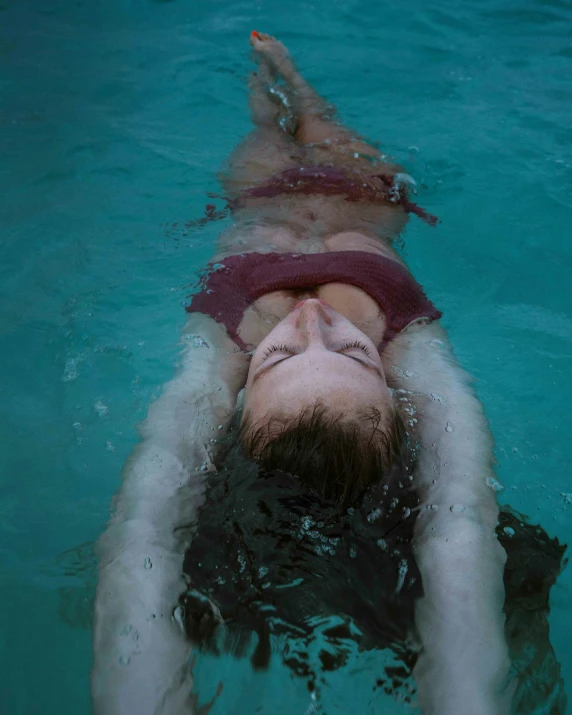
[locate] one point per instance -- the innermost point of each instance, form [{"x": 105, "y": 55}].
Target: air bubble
[
  {"x": 457, "y": 508},
  {"x": 403, "y": 568},
  {"x": 401, "y": 178},
  {"x": 71, "y": 371},
  {"x": 508, "y": 531},
  {"x": 448, "y": 427},
  {"x": 374, "y": 515},
  {"x": 195, "y": 341},
  {"x": 495, "y": 485},
  {"x": 178, "y": 617},
  {"x": 101, "y": 408},
  {"x": 147, "y": 563}
]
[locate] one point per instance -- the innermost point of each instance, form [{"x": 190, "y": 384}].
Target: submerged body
[{"x": 332, "y": 344}]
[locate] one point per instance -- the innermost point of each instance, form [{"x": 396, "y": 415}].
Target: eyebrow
[{"x": 267, "y": 368}]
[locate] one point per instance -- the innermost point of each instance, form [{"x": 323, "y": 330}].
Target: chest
[{"x": 351, "y": 302}]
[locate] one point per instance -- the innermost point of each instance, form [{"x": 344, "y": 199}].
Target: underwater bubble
[
  {"x": 402, "y": 573},
  {"x": 382, "y": 543},
  {"x": 101, "y": 408},
  {"x": 401, "y": 178},
  {"x": 195, "y": 341},
  {"x": 448, "y": 427},
  {"x": 508, "y": 531},
  {"x": 242, "y": 563},
  {"x": 178, "y": 617},
  {"x": 124, "y": 660},
  {"x": 494, "y": 484},
  {"x": 147, "y": 563},
  {"x": 374, "y": 515},
  {"x": 436, "y": 343},
  {"x": 71, "y": 371},
  {"x": 219, "y": 427},
  {"x": 567, "y": 497},
  {"x": 110, "y": 447},
  {"x": 457, "y": 508},
  {"x": 406, "y": 512}
]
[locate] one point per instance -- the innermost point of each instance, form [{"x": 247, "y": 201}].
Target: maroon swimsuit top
[{"x": 231, "y": 286}]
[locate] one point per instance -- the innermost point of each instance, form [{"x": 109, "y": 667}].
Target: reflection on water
[
  {"x": 273, "y": 560},
  {"x": 276, "y": 570}
]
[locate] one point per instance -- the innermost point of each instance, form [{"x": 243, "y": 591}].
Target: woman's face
[{"x": 315, "y": 355}]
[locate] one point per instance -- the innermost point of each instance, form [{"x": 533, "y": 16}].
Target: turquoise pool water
[{"x": 115, "y": 117}]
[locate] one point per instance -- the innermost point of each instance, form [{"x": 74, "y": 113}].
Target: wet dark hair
[{"x": 335, "y": 458}]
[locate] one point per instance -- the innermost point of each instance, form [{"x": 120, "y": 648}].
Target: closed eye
[
  {"x": 290, "y": 351},
  {"x": 280, "y": 349},
  {"x": 355, "y": 344}
]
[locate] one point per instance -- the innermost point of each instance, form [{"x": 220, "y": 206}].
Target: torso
[
  {"x": 250, "y": 291},
  {"x": 350, "y": 301}
]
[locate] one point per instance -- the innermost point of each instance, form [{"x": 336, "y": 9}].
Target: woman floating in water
[{"x": 367, "y": 433}]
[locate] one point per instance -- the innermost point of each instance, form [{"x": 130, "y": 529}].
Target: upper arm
[
  {"x": 464, "y": 662},
  {"x": 445, "y": 417},
  {"x": 211, "y": 371},
  {"x": 141, "y": 551}
]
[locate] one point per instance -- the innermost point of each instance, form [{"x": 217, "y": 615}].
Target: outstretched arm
[
  {"x": 140, "y": 652},
  {"x": 464, "y": 664}
]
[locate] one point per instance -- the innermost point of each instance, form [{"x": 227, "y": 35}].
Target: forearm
[
  {"x": 464, "y": 663},
  {"x": 140, "y": 652}
]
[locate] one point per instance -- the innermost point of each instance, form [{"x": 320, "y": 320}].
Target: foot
[{"x": 273, "y": 52}]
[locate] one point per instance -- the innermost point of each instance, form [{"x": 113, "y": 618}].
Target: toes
[
  {"x": 255, "y": 35},
  {"x": 259, "y": 39}
]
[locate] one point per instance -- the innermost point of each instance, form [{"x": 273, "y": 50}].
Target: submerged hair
[{"x": 335, "y": 458}]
